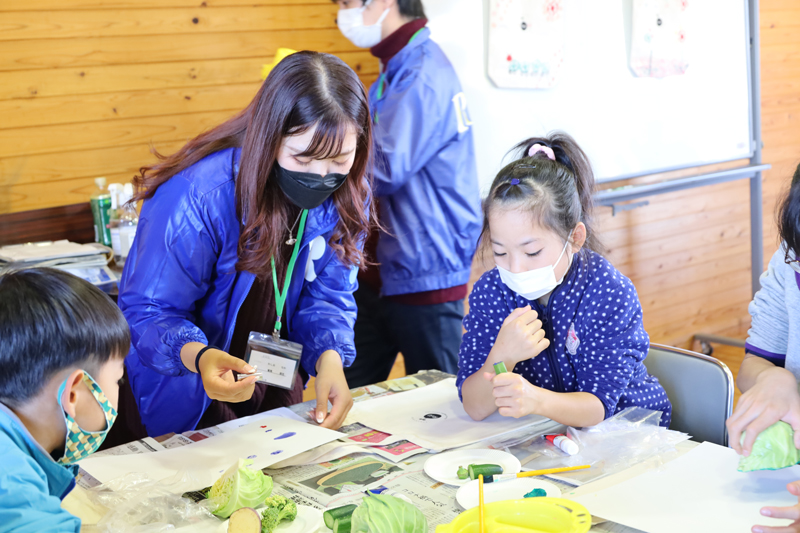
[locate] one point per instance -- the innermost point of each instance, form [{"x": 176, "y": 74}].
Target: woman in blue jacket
[{"x": 282, "y": 184}]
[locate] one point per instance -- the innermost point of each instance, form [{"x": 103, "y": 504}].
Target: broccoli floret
[{"x": 279, "y": 509}]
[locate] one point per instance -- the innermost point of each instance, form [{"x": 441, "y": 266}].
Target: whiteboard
[{"x": 626, "y": 125}]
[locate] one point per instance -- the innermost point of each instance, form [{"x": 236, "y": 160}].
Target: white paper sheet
[
  {"x": 699, "y": 492},
  {"x": 265, "y": 441},
  {"x": 433, "y": 417}
]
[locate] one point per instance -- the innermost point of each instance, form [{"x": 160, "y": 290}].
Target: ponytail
[{"x": 551, "y": 178}]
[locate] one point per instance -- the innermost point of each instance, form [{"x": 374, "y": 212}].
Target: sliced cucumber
[
  {"x": 338, "y": 513},
  {"x": 486, "y": 470},
  {"x": 342, "y": 524}
]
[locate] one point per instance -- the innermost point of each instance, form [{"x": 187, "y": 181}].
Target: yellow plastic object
[
  {"x": 280, "y": 55},
  {"x": 530, "y": 515}
]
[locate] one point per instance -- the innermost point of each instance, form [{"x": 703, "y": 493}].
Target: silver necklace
[{"x": 291, "y": 240}]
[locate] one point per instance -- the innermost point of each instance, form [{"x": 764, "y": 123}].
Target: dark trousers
[{"x": 427, "y": 335}]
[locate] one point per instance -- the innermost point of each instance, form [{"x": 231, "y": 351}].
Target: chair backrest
[{"x": 700, "y": 389}]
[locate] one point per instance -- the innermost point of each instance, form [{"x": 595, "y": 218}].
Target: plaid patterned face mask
[{"x": 80, "y": 442}]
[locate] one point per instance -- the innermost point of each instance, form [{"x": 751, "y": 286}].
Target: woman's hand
[
  {"x": 331, "y": 385},
  {"x": 772, "y": 398},
  {"x": 521, "y": 337},
  {"x": 792, "y": 513},
  {"x": 514, "y": 395},
  {"x": 216, "y": 371}
]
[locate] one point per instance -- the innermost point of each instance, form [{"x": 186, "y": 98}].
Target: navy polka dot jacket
[{"x": 597, "y": 340}]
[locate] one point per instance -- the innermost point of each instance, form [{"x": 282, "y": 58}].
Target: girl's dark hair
[
  {"x": 789, "y": 217},
  {"x": 51, "y": 321},
  {"x": 304, "y": 90},
  {"x": 557, "y": 194}
]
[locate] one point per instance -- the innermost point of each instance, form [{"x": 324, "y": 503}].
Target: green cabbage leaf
[
  {"x": 387, "y": 514},
  {"x": 773, "y": 449},
  {"x": 239, "y": 487}
]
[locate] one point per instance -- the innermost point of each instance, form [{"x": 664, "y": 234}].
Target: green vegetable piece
[
  {"x": 486, "y": 470},
  {"x": 343, "y": 524},
  {"x": 279, "y": 509},
  {"x": 386, "y": 514},
  {"x": 773, "y": 449},
  {"x": 536, "y": 493},
  {"x": 462, "y": 473},
  {"x": 331, "y": 515},
  {"x": 239, "y": 487},
  {"x": 500, "y": 368}
]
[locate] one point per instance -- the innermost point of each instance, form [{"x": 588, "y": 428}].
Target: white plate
[
  {"x": 309, "y": 520},
  {"x": 513, "y": 489},
  {"x": 443, "y": 467}
]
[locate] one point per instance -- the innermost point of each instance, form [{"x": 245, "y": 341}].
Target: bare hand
[
  {"x": 514, "y": 395},
  {"x": 521, "y": 337},
  {"x": 216, "y": 371},
  {"x": 792, "y": 513},
  {"x": 774, "y": 397},
  {"x": 332, "y": 385}
]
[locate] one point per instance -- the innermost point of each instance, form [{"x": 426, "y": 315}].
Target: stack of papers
[{"x": 87, "y": 261}]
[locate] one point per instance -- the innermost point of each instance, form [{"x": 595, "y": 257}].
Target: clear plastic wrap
[
  {"x": 623, "y": 440},
  {"x": 137, "y": 504}
]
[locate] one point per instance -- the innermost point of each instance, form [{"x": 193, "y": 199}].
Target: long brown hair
[
  {"x": 304, "y": 90},
  {"x": 557, "y": 193}
]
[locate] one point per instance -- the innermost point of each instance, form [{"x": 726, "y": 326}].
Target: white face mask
[
  {"x": 534, "y": 283},
  {"x": 351, "y": 24}
]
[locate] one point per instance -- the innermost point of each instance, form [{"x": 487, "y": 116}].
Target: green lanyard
[
  {"x": 382, "y": 77},
  {"x": 280, "y": 297}
]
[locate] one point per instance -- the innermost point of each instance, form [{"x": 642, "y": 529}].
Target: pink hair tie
[{"x": 540, "y": 148}]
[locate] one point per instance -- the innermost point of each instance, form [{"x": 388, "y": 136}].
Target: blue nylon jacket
[
  {"x": 32, "y": 485},
  {"x": 180, "y": 285},
  {"x": 425, "y": 173}
]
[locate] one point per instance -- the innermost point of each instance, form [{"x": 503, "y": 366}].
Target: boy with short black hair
[{"x": 62, "y": 347}]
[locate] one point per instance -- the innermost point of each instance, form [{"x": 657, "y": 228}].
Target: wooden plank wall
[{"x": 87, "y": 87}]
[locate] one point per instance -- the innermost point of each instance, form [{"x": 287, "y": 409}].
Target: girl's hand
[
  {"x": 792, "y": 513},
  {"x": 521, "y": 337},
  {"x": 514, "y": 395},
  {"x": 774, "y": 397},
  {"x": 332, "y": 385},
  {"x": 216, "y": 371}
]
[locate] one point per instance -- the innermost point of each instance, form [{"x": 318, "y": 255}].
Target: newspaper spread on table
[{"x": 342, "y": 472}]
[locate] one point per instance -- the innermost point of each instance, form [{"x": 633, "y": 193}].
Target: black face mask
[{"x": 307, "y": 190}]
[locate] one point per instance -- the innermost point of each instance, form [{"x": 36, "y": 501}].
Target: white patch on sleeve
[
  {"x": 315, "y": 251},
  {"x": 353, "y": 274}
]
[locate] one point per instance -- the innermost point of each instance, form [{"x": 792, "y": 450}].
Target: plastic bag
[
  {"x": 137, "y": 504},
  {"x": 623, "y": 440}
]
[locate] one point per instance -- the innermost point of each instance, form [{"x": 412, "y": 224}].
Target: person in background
[
  {"x": 566, "y": 324},
  {"x": 426, "y": 184},
  {"x": 61, "y": 357},
  {"x": 768, "y": 377},
  {"x": 254, "y": 226}
]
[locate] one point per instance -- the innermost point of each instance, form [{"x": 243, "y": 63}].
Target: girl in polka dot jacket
[{"x": 565, "y": 322}]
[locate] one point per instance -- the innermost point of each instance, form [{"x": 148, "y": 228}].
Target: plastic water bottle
[{"x": 115, "y": 190}]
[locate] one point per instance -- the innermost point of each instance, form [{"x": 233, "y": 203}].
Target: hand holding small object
[
  {"x": 514, "y": 395},
  {"x": 216, "y": 369},
  {"x": 521, "y": 337},
  {"x": 774, "y": 397},
  {"x": 331, "y": 384}
]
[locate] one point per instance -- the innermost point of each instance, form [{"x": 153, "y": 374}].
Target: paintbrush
[
  {"x": 481, "y": 508},
  {"x": 506, "y": 477}
]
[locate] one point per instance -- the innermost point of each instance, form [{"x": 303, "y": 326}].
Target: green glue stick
[{"x": 500, "y": 368}]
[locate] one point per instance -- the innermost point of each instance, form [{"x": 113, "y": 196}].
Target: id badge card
[{"x": 275, "y": 359}]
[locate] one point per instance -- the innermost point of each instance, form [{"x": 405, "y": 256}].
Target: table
[{"x": 81, "y": 505}]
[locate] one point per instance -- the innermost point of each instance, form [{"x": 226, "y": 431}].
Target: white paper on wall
[
  {"x": 658, "y": 38},
  {"x": 526, "y": 43}
]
